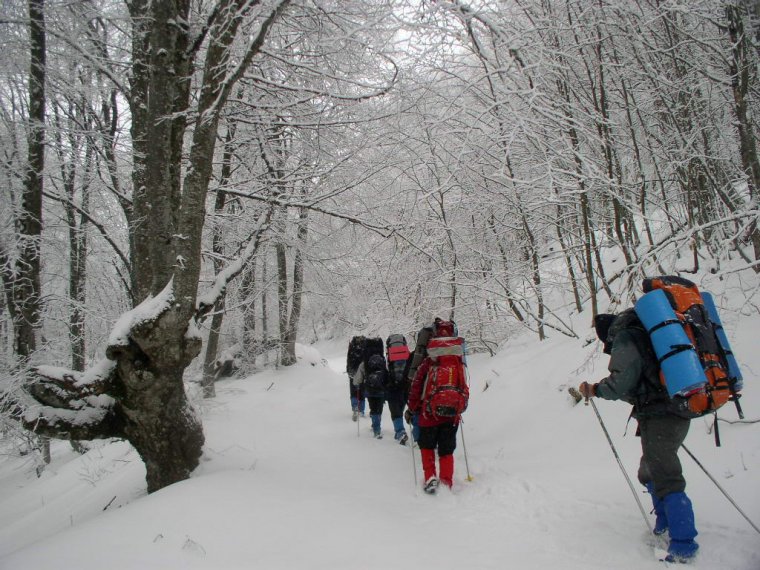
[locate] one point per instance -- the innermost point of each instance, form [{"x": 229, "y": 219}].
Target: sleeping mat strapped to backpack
[{"x": 694, "y": 360}]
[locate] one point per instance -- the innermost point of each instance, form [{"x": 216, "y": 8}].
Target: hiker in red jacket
[{"x": 438, "y": 396}]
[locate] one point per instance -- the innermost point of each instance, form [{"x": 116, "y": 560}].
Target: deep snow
[{"x": 287, "y": 482}]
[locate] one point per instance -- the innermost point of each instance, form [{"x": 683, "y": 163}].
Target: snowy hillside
[{"x": 287, "y": 482}]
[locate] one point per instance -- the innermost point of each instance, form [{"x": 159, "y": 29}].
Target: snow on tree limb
[
  {"x": 63, "y": 403},
  {"x": 88, "y": 422},
  {"x": 92, "y": 379},
  {"x": 208, "y": 299},
  {"x": 145, "y": 313}
]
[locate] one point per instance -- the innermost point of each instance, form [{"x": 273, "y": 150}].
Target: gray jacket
[{"x": 633, "y": 367}]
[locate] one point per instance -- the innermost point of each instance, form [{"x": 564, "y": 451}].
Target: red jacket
[{"x": 415, "y": 398}]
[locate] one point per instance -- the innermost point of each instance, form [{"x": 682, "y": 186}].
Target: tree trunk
[
  {"x": 286, "y": 358},
  {"x": 505, "y": 262},
  {"x": 568, "y": 259},
  {"x": 289, "y": 345},
  {"x": 153, "y": 410},
  {"x": 212, "y": 347},
  {"x": 141, "y": 394},
  {"x": 743, "y": 74},
  {"x": 248, "y": 294},
  {"x": 217, "y": 248},
  {"x": 26, "y": 285}
]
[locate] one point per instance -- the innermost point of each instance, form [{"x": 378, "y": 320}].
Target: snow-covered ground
[{"x": 287, "y": 481}]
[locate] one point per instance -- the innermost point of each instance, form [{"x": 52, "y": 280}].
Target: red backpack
[
  {"x": 445, "y": 392},
  {"x": 397, "y": 355}
]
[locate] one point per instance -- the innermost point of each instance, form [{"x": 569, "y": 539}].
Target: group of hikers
[
  {"x": 430, "y": 382},
  {"x": 649, "y": 346}
]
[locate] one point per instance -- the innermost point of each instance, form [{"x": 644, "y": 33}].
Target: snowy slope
[{"x": 287, "y": 482}]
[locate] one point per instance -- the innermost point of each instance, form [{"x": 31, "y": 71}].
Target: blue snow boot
[
  {"x": 400, "y": 432},
  {"x": 376, "y": 425},
  {"x": 661, "y": 523},
  {"x": 680, "y": 516}
]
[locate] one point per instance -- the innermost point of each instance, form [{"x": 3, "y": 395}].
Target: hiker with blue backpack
[
  {"x": 671, "y": 359},
  {"x": 634, "y": 378}
]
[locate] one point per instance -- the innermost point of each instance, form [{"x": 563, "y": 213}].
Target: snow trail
[{"x": 285, "y": 483}]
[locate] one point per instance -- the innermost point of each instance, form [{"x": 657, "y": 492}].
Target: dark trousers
[
  {"x": 355, "y": 391},
  {"x": 443, "y": 436},
  {"x": 661, "y": 437},
  {"x": 375, "y": 405},
  {"x": 396, "y": 400}
]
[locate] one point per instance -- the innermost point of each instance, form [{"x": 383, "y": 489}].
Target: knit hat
[{"x": 602, "y": 324}]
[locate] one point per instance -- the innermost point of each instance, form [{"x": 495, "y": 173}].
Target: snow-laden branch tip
[
  {"x": 208, "y": 299},
  {"x": 96, "y": 374},
  {"x": 149, "y": 310}
]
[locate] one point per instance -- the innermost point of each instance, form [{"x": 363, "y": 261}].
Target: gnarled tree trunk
[{"x": 138, "y": 392}]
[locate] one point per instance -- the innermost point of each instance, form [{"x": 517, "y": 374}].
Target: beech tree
[{"x": 137, "y": 393}]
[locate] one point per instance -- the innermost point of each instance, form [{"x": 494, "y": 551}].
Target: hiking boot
[
  {"x": 680, "y": 515},
  {"x": 681, "y": 559},
  {"x": 661, "y": 521},
  {"x": 403, "y": 439},
  {"x": 431, "y": 486}
]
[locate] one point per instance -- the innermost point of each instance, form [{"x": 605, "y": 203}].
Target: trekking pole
[
  {"x": 358, "y": 413},
  {"x": 414, "y": 463},
  {"x": 725, "y": 494},
  {"x": 620, "y": 463},
  {"x": 464, "y": 448}
]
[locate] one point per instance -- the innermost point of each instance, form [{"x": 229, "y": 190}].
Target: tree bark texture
[
  {"x": 743, "y": 74},
  {"x": 26, "y": 282}
]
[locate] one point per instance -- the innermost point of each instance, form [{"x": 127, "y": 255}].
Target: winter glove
[
  {"x": 587, "y": 390},
  {"x": 408, "y": 416}
]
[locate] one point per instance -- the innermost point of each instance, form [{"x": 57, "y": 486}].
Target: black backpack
[
  {"x": 376, "y": 378},
  {"x": 355, "y": 354},
  {"x": 373, "y": 346}
]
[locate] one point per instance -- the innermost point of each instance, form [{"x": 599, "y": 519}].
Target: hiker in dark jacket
[
  {"x": 397, "y": 390},
  {"x": 634, "y": 378},
  {"x": 372, "y": 378},
  {"x": 353, "y": 359}
]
